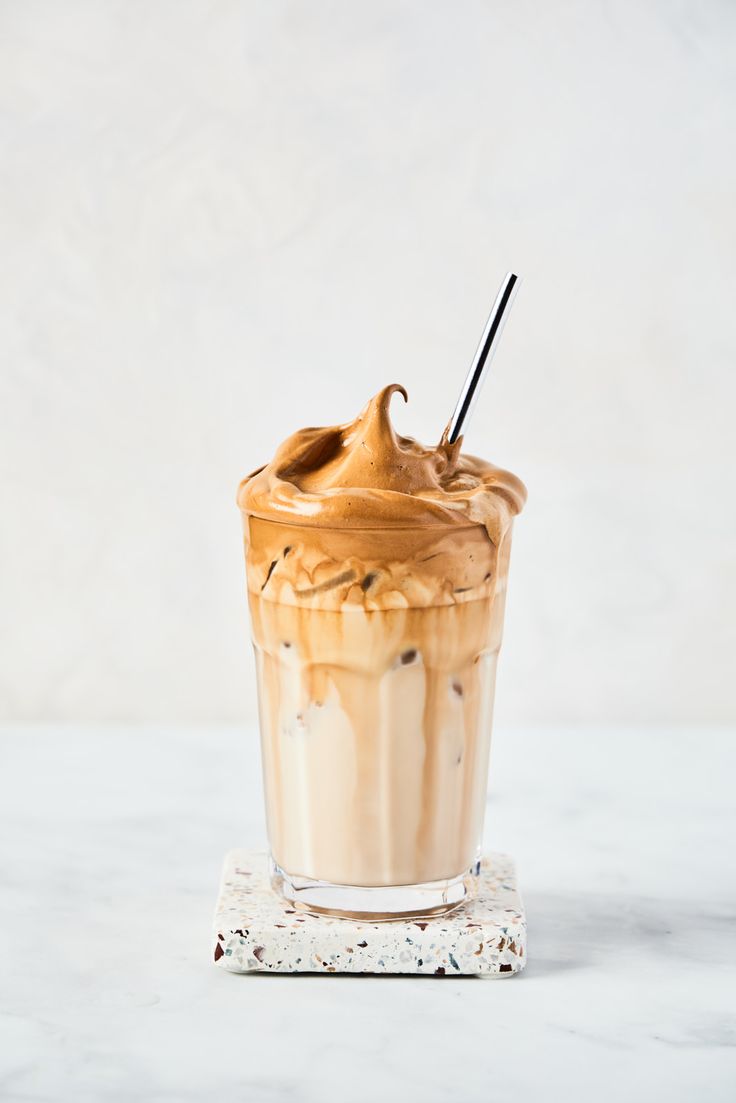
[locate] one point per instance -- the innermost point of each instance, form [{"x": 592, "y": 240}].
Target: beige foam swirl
[{"x": 364, "y": 475}]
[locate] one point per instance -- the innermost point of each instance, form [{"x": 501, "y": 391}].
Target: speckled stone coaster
[{"x": 257, "y": 931}]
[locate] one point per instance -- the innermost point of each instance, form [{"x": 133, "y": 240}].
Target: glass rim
[{"x": 432, "y": 527}]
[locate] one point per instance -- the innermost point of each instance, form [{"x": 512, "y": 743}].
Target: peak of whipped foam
[{"x": 364, "y": 475}]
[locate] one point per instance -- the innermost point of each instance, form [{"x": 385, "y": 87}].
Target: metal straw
[{"x": 483, "y": 356}]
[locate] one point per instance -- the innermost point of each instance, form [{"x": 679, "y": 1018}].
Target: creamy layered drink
[{"x": 376, "y": 575}]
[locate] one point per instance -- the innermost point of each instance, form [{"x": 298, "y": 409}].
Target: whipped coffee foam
[
  {"x": 364, "y": 474},
  {"x": 446, "y": 513}
]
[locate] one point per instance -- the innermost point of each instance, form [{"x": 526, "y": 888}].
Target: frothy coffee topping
[{"x": 364, "y": 475}]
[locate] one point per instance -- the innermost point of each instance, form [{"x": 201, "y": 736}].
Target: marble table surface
[{"x": 111, "y": 843}]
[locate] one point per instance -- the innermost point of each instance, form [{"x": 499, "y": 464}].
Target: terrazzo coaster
[{"x": 257, "y": 931}]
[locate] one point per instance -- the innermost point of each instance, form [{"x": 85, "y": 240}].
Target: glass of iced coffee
[{"x": 376, "y": 574}]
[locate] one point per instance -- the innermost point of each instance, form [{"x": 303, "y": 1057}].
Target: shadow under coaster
[{"x": 257, "y": 931}]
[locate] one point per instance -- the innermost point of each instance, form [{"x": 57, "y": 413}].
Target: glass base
[{"x": 382, "y": 903}]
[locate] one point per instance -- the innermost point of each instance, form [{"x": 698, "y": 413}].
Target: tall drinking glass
[{"x": 376, "y": 653}]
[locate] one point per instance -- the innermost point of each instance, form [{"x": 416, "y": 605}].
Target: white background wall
[{"x": 222, "y": 221}]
